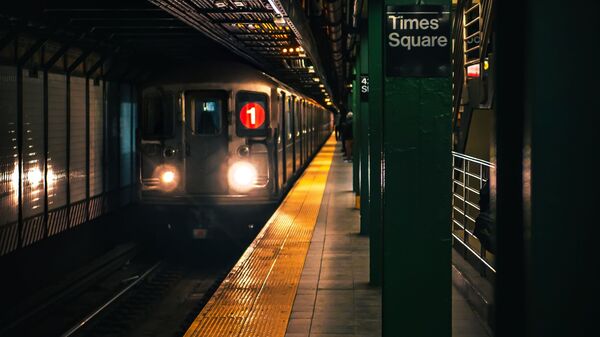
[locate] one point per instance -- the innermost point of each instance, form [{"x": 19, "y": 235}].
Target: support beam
[
  {"x": 32, "y": 50},
  {"x": 363, "y": 130},
  {"x": 79, "y": 60},
  {"x": 546, "y": 125},
  {"x": 375, "y": 58},
  {"x": 104, "y": 58},
  {"x": 410, "y": 185}
]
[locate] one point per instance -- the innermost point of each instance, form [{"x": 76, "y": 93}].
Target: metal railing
[{"x": 468, "y": 177}]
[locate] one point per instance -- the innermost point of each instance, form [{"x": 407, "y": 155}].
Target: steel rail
[{"x": 91, "y": 316}]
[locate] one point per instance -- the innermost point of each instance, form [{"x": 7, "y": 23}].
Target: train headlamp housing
[
  {"x": 169, "y": 152},
  {"x": 168, "y": 176},
  {"x": 242, "y": 176},
  {"x": 243, "y": 151}
]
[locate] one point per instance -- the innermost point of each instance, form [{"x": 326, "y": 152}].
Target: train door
[
  {"x": 303, "y": 130},
  {"x": 289, "y": 143},
  {"x": 293, "y": 130},
  {"x": 283, "y": 138},
  {"x": 311, "y": 129},
  {"x": 206, "y": 142},
  {"x": 298, "y": 120}
]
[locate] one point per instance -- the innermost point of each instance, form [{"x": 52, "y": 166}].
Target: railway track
[
  {"x": 158, "y": 303},
  {"x": 138, "y": 295}
]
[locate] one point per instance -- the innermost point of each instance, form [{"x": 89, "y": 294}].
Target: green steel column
[
  {"x": 547, "y": 137},
  {"x": 416, "y": 199},
  {"x": 375, "y": 58},
  {"x": 357, "y": 120},
  {"x": 363, "y": 68}
]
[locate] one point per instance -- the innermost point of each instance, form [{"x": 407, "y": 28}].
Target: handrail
[
  {"x": 469, "y": 174},
  {"x": 471, "y": 158}
]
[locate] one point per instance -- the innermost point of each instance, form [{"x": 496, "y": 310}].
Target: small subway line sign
[
  {"x": 417, "y": 42},
  {"x": 364, "y": 87}
]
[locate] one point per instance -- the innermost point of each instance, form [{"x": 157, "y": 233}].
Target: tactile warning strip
[{"x": 256, "y": 298}]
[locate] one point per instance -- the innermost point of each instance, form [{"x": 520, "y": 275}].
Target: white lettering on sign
[
  {"x": 400, "y": 23},
  {"x": 252, "y": 113},
  {"x": 403, "y": 37},
  {"x": 364, "y": 84},
  {"x": 417, "y": 41},
  {"x": 410, "y": 42}
]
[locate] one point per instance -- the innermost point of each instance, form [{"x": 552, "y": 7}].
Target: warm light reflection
[
  {"x": 14, "y": 178},
  {"x": 34, "y": 177},
  {"x": 52, "y": 178}
]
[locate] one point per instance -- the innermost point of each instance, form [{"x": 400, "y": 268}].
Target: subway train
[{"x": 220, "y": 146}]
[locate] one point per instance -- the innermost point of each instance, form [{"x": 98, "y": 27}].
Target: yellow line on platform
[{"x": 256, "y": 297}]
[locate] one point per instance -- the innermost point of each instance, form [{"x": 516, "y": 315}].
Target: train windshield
[
  {"x": 207, "y": 115},
  {"x": 157, "y": 121}
]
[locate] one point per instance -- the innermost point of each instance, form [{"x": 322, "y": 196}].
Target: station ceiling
[{"x": 272, "y": 35}]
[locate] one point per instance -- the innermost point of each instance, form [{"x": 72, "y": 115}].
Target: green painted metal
[
  {"x": 546, "y": 124},
  {"x": 363, "y": 146},
  {"x": 375, "y": 58},
  {"x": 357, "y": 120},
  {"x": 412, "y": 131}
]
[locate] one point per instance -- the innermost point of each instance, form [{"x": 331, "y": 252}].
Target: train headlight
[
  {"x": 168, "y": 176},
  {"x": 242, "y": 176}
]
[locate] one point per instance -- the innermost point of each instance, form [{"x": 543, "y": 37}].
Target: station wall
[{"x": 67, "y": 145}]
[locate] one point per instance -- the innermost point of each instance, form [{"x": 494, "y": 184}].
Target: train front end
[{"x": 206, "y": 161}]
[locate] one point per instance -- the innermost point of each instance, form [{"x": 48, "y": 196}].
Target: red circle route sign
[{"x": 252, "y": 115}]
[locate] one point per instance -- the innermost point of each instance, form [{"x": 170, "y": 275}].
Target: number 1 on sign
[{"x": 252, "y": 113}]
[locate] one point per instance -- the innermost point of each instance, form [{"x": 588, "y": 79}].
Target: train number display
[
  {"x": 252, "y": 115},
  {"x": 252, "y": 118}
]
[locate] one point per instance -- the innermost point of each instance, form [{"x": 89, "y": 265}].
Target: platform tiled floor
[{"x": 334, "y": 298}]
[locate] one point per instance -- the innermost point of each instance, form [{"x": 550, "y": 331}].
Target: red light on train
[
  {"x": 473, "y": 70},
  {"x": 252, "y": 115}
]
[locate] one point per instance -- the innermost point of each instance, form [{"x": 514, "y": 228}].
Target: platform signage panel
[
  {"x": 417, "y": 41},
  {"x": 364, "y": 87}
]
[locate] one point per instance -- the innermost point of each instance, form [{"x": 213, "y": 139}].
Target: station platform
[{"x": 307, "y": 271}]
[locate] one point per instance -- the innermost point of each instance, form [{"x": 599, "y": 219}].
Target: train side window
[{"x": 157, "y": 117}]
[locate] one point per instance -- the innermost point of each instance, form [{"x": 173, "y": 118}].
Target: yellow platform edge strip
[{"x": 257, "y": 296}]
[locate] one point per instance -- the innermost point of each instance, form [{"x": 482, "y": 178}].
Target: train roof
[{"x": 218, "y": 72}]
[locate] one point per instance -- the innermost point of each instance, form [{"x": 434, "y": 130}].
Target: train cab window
[
  {"x": 204, "y": 111},
  {"x": 207, "y": 114},
  {"x": 157, "y": 117}
]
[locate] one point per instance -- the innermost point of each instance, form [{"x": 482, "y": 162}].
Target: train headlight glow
[
  {"x": 242, "y": 176},
  {"x": 167, "y": 177}
]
